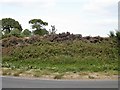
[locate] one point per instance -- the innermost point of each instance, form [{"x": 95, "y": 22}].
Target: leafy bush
[
  {"x": 40, "y": 32},
  {"x": 26, "y": 33},
  {"x": 15, "y": 32}
]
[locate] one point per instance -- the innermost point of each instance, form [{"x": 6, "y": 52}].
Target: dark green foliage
[
  {"x": 26, "y": 33},
  {"x": 15, "y": 32},
  {"x": 9, "y": 24},
  {"x": 38, "y": 24},
  {"x": 111, "y": 34},
  {"x": 40, "y": 32},
  {"x": 118, "y": 35}
]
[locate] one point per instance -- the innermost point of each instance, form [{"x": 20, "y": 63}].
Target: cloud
[
  {"x": 101, "y": 15},
  {"x": 7, "y": 1},
  {"x": 99, "y": 6},
  {"x": 29, "y": 3},
  {"x": 92, "y": 17}
]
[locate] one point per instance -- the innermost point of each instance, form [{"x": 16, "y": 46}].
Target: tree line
[{"x": 10, "y": 27}]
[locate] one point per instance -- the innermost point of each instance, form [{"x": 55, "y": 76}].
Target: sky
[{"x": 86, "y": 17}]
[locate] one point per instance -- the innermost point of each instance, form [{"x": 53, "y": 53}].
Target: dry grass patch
[
  {"x": 58, "y": 76},
  {"x": 36, "y": 73}
]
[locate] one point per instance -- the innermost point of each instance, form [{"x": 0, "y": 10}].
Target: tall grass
[{"x": 70, "y": 56}]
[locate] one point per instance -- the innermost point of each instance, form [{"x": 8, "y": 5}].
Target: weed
[{"x": 59, "y": 76}]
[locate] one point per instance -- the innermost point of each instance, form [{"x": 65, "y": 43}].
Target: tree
[
  {"x": 15, "y": 32},
  {"x": 38, "y": 25},
  {"x": 53, "y": 30},
  {"x": 8, "y": 24},
  {"x": 41, "y": 32},
  {"x": 26, "y": 33}
]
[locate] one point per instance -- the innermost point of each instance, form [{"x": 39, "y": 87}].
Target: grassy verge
[
  {"x": 35, "y": 73},
  {"x": 75, "y": 56}
]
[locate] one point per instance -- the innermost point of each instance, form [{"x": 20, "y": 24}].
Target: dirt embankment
[{"x": 15, "y": 41}]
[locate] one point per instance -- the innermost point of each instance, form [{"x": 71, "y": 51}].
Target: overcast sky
[{"x": 86, "y": 17}]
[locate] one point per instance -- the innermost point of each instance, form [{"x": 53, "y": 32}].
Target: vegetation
[
  {"x": 15, "y": 32},
  {"x": 57, "y": 53},
  {"x": 111, "y": 34},
  {"x": 53, "y": 30},
  {"x": 71, "y": 56},
  {"x": 118, "y": 35},
  {"x": 9, "y": 24},
  {"x": 26, "y": 33},
  {"x": 11, "y": 27},
  {"x": 38, "y": 24}
]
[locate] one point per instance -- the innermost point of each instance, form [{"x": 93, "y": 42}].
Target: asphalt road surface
[{"x": 13, "y": 82}]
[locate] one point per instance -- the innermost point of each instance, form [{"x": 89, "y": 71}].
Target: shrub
[
  {"x": 59, "y": 76},
  {"x": 118, "y": 35},
  {"x": 15, "y": 32},
  {"x": 40, "y": 32},
  {"x": 111, "y": 34},
  {"x": 26, "y": 33},
  {"x": 6, "y": 35},
  {"x": 12, "y": 41}
]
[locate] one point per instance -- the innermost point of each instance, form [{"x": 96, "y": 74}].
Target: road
[{"x": 13, "y": 82}]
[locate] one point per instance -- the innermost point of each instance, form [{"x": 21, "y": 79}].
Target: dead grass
[
  {"x": 58, "y": 76},
  {"x": 68, "y": 75}
]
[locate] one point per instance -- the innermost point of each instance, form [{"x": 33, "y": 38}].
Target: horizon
[{"x": 86, "y": 17}]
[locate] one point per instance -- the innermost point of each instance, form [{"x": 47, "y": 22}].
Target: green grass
[{"x": 70, "y": 56}]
